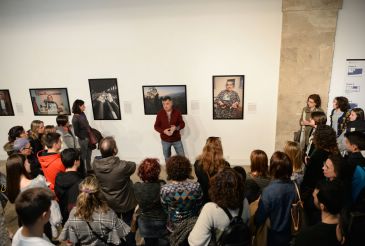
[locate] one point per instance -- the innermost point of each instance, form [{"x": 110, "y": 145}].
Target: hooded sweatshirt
[
  {"x": 114, "y": 178},
  {"x": 67, "y": 190},
  {"x": 51, "y": 165}
]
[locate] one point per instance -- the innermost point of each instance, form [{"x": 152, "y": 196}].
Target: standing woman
[
  {"x": 313, "y": 105},
  {"x": 82, "y": 130},
  {"x": 340, "y": 114},
  {"x": 209, "y": 163}
]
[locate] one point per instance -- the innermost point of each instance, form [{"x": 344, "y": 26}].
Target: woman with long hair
[
  {"x": 258, "y": 178},
  {"x": 82, "y": 131},
  {"x": 209, "y": 163},
  {"x": 313, "y": 105},
  {"x": 293, "y": 150},
  {"x": 91, "y": 221},
  {"x": 18, "y": 180},
  {"x": 357, "y": 120},
  {"x": 340, "y": 115},
  {"x": 35, "y": 136},
  {"x": 325, "y": 142},
  {"x": 152, "y": 218}
]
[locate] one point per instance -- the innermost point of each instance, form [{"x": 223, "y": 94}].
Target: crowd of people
[{"x": 311, "y": 192}]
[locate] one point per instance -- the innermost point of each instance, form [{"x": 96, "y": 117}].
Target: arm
[
  {"x": 158, "y": 126},
  {"x": 180, "y": 122},
  {"x": 130, "y": 167},
  {"x": 201, "y": 233},
  {"x": 262, "y": 212},
  {"x": 76, "y": 125}
]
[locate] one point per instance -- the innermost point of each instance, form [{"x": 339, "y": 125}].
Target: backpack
[{"x": 236, "y": 233}]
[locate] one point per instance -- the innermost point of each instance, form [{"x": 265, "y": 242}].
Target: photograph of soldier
[{"x": 228, "y": 97}]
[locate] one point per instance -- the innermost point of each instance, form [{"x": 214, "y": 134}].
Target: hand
[
  {"x": 109, "y": 97},
  {"x": 172, "y": 129},
  {"x": 235, "y": 105},
  {"x": 167, "y": 132},
  {"x": 305, "y": 123},
  {"x": 220, "y": 103},
  {"x": 101, "y": 99}
]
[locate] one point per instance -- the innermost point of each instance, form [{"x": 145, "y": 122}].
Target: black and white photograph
[
  {"x": 153, "y": 94},
  {"x": 6, "y": 107},
  {"x": 228, "y": 97},
  {"x": 50, "y": 101},
  {"x": 105, "y": 99}
]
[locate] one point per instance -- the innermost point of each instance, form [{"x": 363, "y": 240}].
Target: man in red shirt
[{"x": 168, "y": 123}]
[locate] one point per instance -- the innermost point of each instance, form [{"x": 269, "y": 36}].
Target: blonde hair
[
  {"x": 34, "y": 126},
  {"x": 212, "y": 157},
  {"x": 90, "y": 199},
  {"x": 292, "y": 149}
]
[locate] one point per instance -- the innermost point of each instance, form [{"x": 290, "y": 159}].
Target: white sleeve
[{"x": 201, "y": 233}]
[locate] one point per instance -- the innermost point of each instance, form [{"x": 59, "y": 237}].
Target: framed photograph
[
  {"x": 228, "y": 97},
  {"x": 50, "y": 101},
  {"x": 105, "y": 99},
  {"x": 153, "y": 94},
  {"x": 6, "y": 107}
]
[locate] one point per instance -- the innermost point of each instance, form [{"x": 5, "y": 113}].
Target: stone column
[{"x": 307, "y": 45}]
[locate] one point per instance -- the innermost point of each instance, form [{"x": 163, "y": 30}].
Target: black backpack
[{"x": 236, "y": 233}]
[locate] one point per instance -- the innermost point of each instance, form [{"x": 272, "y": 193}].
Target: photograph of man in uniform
[{"x": 227, "y": 104}]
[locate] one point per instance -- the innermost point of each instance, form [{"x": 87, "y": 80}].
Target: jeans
[
  {"x": 166, "y": 148},
  {"x": 85, "y": 154}
]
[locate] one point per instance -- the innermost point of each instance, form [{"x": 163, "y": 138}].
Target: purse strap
[
  {"x": 297, "y": 190},
  {"x": 105, "y": 241}
]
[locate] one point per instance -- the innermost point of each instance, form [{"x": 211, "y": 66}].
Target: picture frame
[
  {"x": 105, "y": 98},
  {"x": 228, "y": 97},
  {"x": 153, "y": 94},
  {"x": 50, "y": 101},
  {"x": 6, "y": 107}
]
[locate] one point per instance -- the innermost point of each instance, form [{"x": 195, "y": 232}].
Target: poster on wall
[
  {"x": 50, "y": 101},
  {"x": 6, "y": 107},
  {"x": 228, "y": 97},
  {"x": 355, "y": 82},
  {"x": 153, "y": 94},
  {"x": 105, "y": 99}
]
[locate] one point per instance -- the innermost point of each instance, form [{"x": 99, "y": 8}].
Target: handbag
[
  {"x": 297, "y": 136},
  {"x": 297, "y": 214},
  {"x": 92, "y": 137}
]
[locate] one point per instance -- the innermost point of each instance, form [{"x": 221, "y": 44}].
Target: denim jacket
[{"x": 275, "y": 203}]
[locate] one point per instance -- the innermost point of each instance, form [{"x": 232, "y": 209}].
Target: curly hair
[
  {"x": 149, "y": 170},
  {"x": 325, "y": 138},
  {"x": 343, "y": 103},
  {"x": 226, "y": 189},
  {"x": 316, "y": 98},
  {"x": 259, "y": 162},
  {"x": 212, "y": 157},
  {"x": 280, "y": 166},
  {"x": 90, "y": 199},
  {"x": 178, "y": 168}
]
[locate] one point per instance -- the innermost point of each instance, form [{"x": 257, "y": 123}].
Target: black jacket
[{"x": 67, "y": 190}]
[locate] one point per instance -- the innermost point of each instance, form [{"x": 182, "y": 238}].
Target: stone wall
[{"x": 307, "y": 44}]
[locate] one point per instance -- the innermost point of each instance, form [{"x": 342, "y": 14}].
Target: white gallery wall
[
  {"x": 349, "y": 44},
  {"x": 147, "y": 42}
]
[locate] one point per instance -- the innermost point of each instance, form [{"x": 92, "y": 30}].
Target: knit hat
[{"x": 20, "y": 143}]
